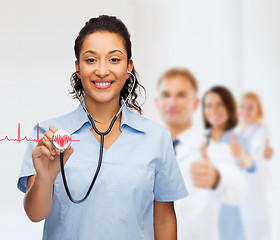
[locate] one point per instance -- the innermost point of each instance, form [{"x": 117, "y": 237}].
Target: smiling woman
[
  {"x": 103, "y": 72},
  {"x": 220, "y": 118},
  {"x": 120, "y": 55},
  {"x": 139, "y": 178}
]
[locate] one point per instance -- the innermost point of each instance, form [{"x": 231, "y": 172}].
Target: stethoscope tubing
[{"x": 102, "y": 135}]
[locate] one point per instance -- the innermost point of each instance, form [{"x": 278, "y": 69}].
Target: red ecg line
[{"x": 18, "y": 139}]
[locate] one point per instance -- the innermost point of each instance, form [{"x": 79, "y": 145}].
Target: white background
[{"x": 234, "y": 43}]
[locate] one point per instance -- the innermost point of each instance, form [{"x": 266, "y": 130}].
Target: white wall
[
  {"x": 235, "y": 43},
  {"x": 261, "y": 58}
]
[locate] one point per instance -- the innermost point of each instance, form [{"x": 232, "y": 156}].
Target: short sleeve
[
  {"x": 27, "y": 168},
  {"x": 169, "y": 183}
]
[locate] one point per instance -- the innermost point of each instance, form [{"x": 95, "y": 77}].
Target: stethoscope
[{"x": 62, "y": 140}]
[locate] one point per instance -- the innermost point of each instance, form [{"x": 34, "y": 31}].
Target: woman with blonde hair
[{"x": 256, "y": 212}]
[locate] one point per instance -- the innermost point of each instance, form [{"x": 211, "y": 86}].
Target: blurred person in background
[
  {"x": 257, "y": 211},
  {"x": 220, "y": 118},
  {"x": 210, "y": 174}
]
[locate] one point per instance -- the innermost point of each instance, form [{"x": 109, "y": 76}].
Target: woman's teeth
[{"x": 102, "y": 84}]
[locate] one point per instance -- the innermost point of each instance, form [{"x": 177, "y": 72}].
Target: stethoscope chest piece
[{"x": 61, "y": 139}]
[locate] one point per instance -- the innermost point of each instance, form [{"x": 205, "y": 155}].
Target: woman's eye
[
  {"x": 114, "y": 59},
  {"x": 90, "y": 60}
]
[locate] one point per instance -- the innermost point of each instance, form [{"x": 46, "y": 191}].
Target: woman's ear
[
  {"x": 77, "y": 68},
  {"x": 129, "y": 67}
]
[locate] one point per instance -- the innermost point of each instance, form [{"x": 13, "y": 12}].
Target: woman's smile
[{"x": 102, "y": 84}]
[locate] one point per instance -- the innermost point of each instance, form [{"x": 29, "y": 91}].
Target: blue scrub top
[
  {"x": 230, "y": 223},
  {"x": 137, "y": 169}
]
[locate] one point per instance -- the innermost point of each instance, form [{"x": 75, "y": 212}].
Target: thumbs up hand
[
  {"x": 203, "y": 152},
  {"x": 244, "y": 158},
  {"x": 204, "y": 174},
  {"x": 235, "y": 146},
  {"x": 267, "y": 151}
]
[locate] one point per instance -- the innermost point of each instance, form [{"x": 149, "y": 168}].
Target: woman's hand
[
  {"x": 46, "y": 158},
  {"x": 203, "y": 172},
  {"x": 244, "y": 158},
  {"x": 267, "y": 151},
  {"x": 38, "y": 197},
  {"x": 235, "y": 146}
]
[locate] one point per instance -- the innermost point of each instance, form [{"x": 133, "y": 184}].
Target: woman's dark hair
[
  {"x": 229, "y": 102},
  {"x": 113, "y": 25}
]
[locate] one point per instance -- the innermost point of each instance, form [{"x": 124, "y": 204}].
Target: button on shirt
[{"x": 137, "y": 169}]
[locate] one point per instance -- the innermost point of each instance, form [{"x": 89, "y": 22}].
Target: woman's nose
[{"x": 102, "y": 70}]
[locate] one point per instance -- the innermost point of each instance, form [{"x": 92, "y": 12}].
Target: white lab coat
[
  {"x": 256, "y": 212},
  {"x": 197, "y": 215}
]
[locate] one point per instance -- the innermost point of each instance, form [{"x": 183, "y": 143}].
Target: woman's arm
[
  {"x": 46, "y": 160},
  {"x": 38, "y": 198},
  {"x": 165, "y": 223}
]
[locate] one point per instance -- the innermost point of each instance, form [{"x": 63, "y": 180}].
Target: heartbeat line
[{"x": 18, "y": 139}]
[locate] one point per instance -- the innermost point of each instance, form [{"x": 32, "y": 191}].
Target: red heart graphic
[{"x": 62, "y": 140}]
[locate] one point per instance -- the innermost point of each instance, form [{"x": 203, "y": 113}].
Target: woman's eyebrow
[
  {"x": 113, "y": 51},
  {"x": 89, "y": 51},
  {"x": 110, "y": 52}
]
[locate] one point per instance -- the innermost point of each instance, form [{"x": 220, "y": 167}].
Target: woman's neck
[
  {"x": 102, "y": 112},
  {"x": 243, "y": 128},
  {"x": 217, "y": 133},
  {"x": 245, "y": 125}
]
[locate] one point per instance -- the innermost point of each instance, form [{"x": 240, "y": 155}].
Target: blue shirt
[
  {"x": 137, "y": 169},
  {"x": 230, "y": 223}
]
